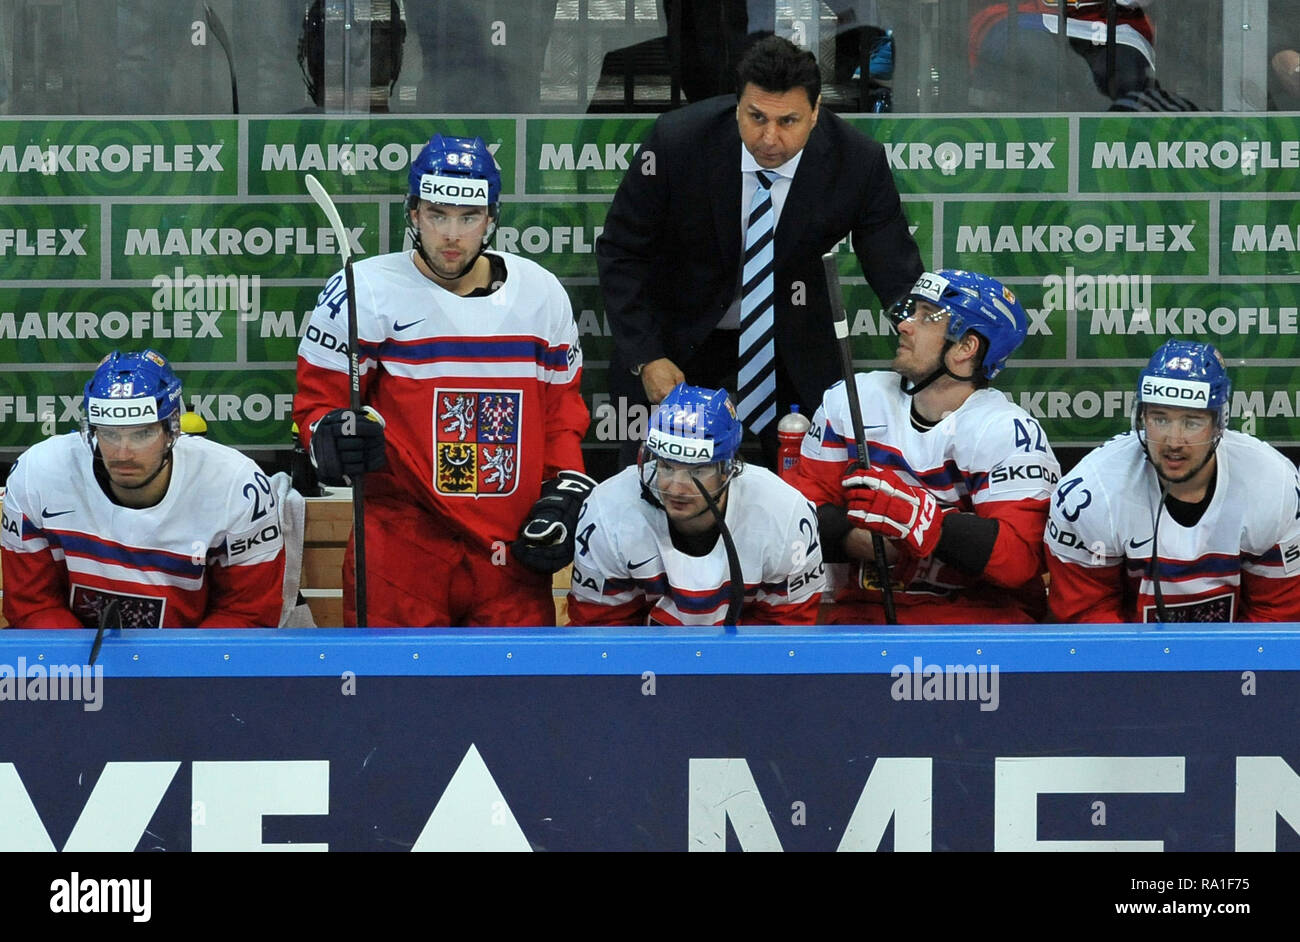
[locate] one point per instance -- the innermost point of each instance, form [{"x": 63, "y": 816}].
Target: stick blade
[
  {"x": 218, "y": 30},
  {"x": 323, "y": 200}
]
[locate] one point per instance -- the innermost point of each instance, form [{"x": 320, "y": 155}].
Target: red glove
[{"x": 880, "y": 501}]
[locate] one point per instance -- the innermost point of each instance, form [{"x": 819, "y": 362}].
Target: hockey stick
[
  {"x": 840, "y": 319},
  {"x": 219, "y": 31},
  {"x": 354, "y": 378},
  {"x": 109, "y": 617},
  {"x": 1112, "y": 24},
  {"x": 1153, "y": 566},
  {"x": 736, "y": 602}
]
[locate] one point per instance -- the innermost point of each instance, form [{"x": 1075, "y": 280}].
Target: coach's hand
[
  {"x": 346, "y": 443},
  {"x": 659, "y": 377},
  {"x": 880, "y": 501},
  {"x": 545, "y": 542}
]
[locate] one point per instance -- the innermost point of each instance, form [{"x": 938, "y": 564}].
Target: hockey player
[
  {"x": 470, "y": 366},
  {"x": 131, "y": 524},
  {"x": 650, "y": 549},
  {"x": 959, "y": 476},
  {"x": 1179, "y": 519}
]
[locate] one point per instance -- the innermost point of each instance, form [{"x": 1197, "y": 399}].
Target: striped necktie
[{"x": 757, "y": 361}]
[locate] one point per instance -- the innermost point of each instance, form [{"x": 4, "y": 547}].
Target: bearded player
[
  {"x": 131, "y": 524},
  {"x": 470, "y": 439},
  {"x": 959, "y": 476},
  {"x": 1180, "y": 519},
  {"x": 686, "y": 538}
]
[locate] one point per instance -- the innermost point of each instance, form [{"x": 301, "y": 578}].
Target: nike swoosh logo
[
  {"x": 1134, "y": 544},
  {"x": 632, "y": 565},
  {"x": 47, "y": 515},
  {"x": 397, "y": 327}
]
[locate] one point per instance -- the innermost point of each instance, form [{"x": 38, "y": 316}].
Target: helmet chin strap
[
  {"x": 414, "y": 230},
  {"x": 652, "y": 496},
  {"x": 1146, "y": 449},
  {"x": 940, "y": 370},
  {"x": 166, "y": 460}
]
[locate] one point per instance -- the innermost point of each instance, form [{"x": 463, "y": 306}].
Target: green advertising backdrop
[{"x": 196, "y": 237}]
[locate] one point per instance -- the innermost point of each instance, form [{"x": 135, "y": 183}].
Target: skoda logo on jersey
[
  {"x": 677, "y": 448},
  {"x": 454, "y": 191},
  {"x": 1189, "y": 394},
  {"x": 122, "y": 412}
]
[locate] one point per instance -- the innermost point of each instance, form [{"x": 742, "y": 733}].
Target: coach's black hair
[{"x": 777, "y": 65}]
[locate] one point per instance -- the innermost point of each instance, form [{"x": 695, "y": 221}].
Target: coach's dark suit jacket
[{"x": 669, "y": 255}]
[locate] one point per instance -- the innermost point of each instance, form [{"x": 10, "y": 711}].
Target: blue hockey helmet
[
  {"x": 975, "y": 303},
  {"x": 458, "y": 171},
  {"x": 131, "y": 389},
  {"x": 1188, "y": 375},
  {"x": 696, "y": 427}
]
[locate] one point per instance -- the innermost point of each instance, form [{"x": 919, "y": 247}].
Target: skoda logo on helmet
[
  {"x": 453, "y": 191},
  {"x": 930, "y": 286},
  {"x": 121, "y": 412},
  {"x": 1175, "y": 392},
  {"x": 676, "y": 448}
]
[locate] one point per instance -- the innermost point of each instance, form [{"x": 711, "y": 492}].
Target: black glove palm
[
  {"x": 545, "y": 541},
  {"x": 346, "y": 443}
]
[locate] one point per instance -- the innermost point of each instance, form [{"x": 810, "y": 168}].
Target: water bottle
[
  {"x": 790, "y": 431},
  {"x": 193, "y": 424}
]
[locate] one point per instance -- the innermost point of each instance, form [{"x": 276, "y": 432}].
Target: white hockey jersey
[
  {"x": 1239, "y": 562},
  {"x": 627, "y": 571},
  {"x": 210, "y": 554},
  {"x": 988, "y": 457}
]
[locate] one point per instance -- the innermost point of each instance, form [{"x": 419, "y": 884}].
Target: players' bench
[{"x": 325, "y": 538}]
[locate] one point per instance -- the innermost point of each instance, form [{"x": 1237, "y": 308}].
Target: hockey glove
[
  {"x": 545, "y": 541},
  {"x": 344, "y": 444},
  {"x": 879, "y": 500}
]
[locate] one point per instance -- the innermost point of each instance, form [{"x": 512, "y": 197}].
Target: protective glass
[
  {"x": 660, "y": 473},
  {"x": 459, "y": 225},
  {"x": 906, "y": 310},
  {"x": 669, "y": 472},
  {"x": 134, "y": 437},
  {"x": 1177, "y": 425}
]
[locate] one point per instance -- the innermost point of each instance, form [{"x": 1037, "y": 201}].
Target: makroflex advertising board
[{"x": 197, "y": 237}]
